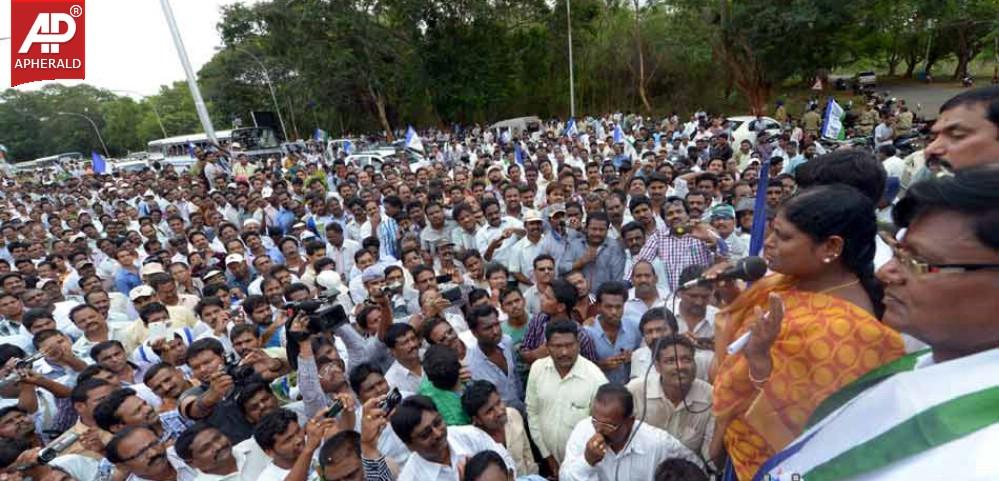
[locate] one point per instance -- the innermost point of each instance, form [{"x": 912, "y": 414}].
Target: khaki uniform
[
  {"x": 867, "y": 121},
  {"x": 781, "y": 115},
  {"x": 904, "y": 124},
  {"x": 810, "y": 122}
]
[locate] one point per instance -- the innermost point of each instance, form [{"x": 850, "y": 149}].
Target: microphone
[{"x": 748, "y": 269}]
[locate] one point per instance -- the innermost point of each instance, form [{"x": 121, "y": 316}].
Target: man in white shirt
[
  {"x": 209, "y": 451},
  {"x": 544, "y": 272},
  {"x": 495, "y": 240},
  {"x": 437, "y": 449},
  {"x": 655, "y": 323},
  {"x": 528, "y": 248},
  {"x": 646, "y": 294},
  {"x": 406, "y": 372},
  {"x": 560, "y": 388},
  {"x": 894, "y": 166},
  {"x": 603, "y": 447},
  {"x": 340, "y": 249},
  {"x": 139, "y": 451},
  {"x": 884, "y": 133},
  {"x": 696, "y": 315},
  {"x": 280, "y": 436}
]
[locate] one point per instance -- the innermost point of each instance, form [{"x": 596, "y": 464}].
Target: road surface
[{"x": 927, "y": 96}]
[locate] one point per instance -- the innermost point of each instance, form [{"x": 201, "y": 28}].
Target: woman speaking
[{"x": 813, "y": 325}]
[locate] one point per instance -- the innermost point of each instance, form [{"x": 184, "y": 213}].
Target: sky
[{"x": 129, "y": 45}]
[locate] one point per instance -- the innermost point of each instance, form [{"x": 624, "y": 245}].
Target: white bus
[
  {"x": 51, "y": 161},
  {"x": 176, "y": 151}
]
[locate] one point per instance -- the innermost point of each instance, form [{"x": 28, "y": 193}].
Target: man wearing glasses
[
  {"x": 927, "y": 414},
  {"x": 139, "y": 451},
  {"x": 611, "y": 445}
]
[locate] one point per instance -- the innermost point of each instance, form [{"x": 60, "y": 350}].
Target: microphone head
[{"x": 752, "y": 267}]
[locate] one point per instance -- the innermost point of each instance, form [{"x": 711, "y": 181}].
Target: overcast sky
[{"x": 128, "y": 43}]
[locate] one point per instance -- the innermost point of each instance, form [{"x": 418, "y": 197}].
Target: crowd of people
[{"x": 527, "y": 305}]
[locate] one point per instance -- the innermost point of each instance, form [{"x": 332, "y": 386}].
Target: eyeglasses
[
  {"x": 142, "y": 452},
  {"x": 916, "y": 266},
  {"x": 610, "y": 427}
]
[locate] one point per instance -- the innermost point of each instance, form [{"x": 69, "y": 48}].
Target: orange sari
[{"x": 825, "y": 343}]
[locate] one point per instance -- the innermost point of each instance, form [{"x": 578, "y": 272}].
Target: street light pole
[
  {"x": 156, "y": 112},
  {"x": 92, "y": 124},
  {"x": 270, "y": 86},
  {"x": 572, "y": 83},
  {"x": 192, "y": 81}
]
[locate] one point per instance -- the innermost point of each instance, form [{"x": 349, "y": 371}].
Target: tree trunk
[
  {"x": 961, "y": 51},
  {"x": 893, "y": 57},
  {"x": 962, "y": 67},
  {"x": 641, "y": 61},
  {"x": 910, "y": 66},
  {"x": 379, "y": 101}
]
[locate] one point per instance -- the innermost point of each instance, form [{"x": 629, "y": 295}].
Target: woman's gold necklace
[{"x": 841, "y": 286}]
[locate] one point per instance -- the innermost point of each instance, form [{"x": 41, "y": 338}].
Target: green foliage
[{"x": 352, "y": 66}]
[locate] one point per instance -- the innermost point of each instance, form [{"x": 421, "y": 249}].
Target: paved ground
[{"x": 927, "y": 96}]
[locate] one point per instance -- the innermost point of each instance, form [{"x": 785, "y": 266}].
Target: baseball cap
[
  {"x": 532, "y": 215},
  {"x": 723, "y": 211},
  {"x": 556, "y": 208},
  {"x": 152, "y": 268},
  {"x": 210, "y": 274},
  {"x": 233, "y": 258},
  {"x": 140, "y": 291},
  {"x": 372, "y": 273}
]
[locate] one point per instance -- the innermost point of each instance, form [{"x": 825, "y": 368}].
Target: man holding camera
[{"x": 212, "y": 400}]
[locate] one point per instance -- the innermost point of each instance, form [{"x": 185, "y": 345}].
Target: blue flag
[
  {"x": 348, "y": 147},
  {"x": 570, "y": 128},
  {"x": 618, "y": 134},
  {"x": 518, "y": 154},
  {"x": 413, "y": 140},
  {"x": 760, "y": 211},
  {"x": 97, "y": 162}
]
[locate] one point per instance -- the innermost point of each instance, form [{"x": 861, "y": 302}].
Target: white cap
[
  {"x": 152, "y": 268},
  {"x": 330, "y": 280},
  {"x": 532, "y": 215},
  {"x": 140, "y": 291},
  {"x": 233, "y": 258}
]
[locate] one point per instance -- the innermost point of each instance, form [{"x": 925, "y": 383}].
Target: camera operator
[
  {"x": 321, "y": 381},
  {"x": 212, "y": 400}
]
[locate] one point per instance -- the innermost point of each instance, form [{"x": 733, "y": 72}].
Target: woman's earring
[{"x": 827, "y": 260}]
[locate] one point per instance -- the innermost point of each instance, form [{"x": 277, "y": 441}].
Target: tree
[{"x": 764, "y": 42}]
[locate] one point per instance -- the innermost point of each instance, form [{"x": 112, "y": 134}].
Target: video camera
[{"x": 325, "y": 315}]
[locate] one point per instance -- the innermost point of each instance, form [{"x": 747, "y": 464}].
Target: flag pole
[{"x": 192, "y": 81}]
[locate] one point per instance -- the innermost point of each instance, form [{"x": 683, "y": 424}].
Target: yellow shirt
[{"x": 555, "y": 404}]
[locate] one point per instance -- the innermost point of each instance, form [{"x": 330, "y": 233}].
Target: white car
[
  {"x": 377, "y": 159},
  {"x": 740, "y": 128},
  {"x": 129, "y": 165}
]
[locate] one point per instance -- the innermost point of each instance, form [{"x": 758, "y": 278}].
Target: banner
[{"x": 832, "y": 124}]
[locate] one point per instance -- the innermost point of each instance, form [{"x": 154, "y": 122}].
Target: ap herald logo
[{"x": 48, "y": 41}]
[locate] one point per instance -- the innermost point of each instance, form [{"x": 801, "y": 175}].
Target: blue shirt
[
  {"x": 285, "y": 219},
  {"x": 607, "y": 266},
  {"x": 507, "y": 383},
  {"x": 628, "y": 338},
  {"x": 125, "y": 281}
]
